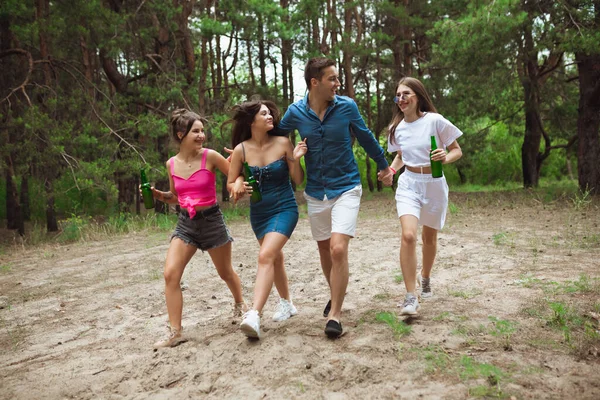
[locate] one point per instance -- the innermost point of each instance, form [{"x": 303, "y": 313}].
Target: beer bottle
[
  {"x": 256, "y": 196},
  {"x": 146, "y": 190},
  {"x": 436, "y": 166}
]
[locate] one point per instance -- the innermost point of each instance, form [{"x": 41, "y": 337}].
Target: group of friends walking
[{"x": 326, "y": 123}]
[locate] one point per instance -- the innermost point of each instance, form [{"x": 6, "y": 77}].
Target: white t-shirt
[{"x": 413, "y": 139}]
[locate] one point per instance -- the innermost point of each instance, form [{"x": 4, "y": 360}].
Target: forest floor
[{"x": 514, "y": 314}]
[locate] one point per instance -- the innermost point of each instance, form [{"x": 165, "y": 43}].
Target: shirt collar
[{"x": 307, "y": 106}]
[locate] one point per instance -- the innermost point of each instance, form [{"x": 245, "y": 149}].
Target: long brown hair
[
  {"x": 424, "y": 103},
  {"x": 243, "y": 117},
  {"x": 182, "y": 121}
]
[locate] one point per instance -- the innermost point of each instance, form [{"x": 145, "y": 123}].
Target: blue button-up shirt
[{"x": 331, "y": 168}]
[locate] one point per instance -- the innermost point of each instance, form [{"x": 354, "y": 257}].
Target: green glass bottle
[
  {"x": 255, "y": 197},
  {"x": 436, "y": 166},
  {"x": 146, "y": 190}
]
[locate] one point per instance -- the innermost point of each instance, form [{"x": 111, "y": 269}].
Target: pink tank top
[{"x": 200, "y": 189}]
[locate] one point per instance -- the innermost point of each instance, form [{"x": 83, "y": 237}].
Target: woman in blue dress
[{"x": 272, "y": 160}]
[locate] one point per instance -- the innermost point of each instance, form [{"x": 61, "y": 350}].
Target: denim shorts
[{"x": 207, "y": 230}]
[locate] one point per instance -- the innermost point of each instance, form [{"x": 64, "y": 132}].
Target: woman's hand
[
  {"x": 240, "y": 188},
  {"x": 300, "y": 150},
  {"x": 228, "y": 151},
  {"x": 439, "y": 155}
]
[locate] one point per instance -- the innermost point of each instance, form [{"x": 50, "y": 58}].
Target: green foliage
[{"x": 400, "y": 328}]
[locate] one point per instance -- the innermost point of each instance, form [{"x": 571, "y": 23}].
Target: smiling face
[
  {"x": 263, "y": 120},
  {"x": 195, "y": 137},
  {"x": 407, "y": 101},
  {"x": 326, "y": 87}
]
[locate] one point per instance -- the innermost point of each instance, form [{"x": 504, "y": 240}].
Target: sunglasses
[{"x": 403, "y": 96}]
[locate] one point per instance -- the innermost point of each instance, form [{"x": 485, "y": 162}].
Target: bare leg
[
  {"x": 408, "y": 251},
  {"x": 178, "y": 255},
  {"x": 325, "y": 256},
  {"x": 338, "y": 277},
  {"x": 281, "y": 280},
  {"x": 221, "y": 257},
  {"x": 429, "y": 236},
  {"x": 270, "y": 249}
]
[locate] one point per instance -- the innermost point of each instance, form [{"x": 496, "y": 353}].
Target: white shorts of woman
[{"x": 423, "y": 196}]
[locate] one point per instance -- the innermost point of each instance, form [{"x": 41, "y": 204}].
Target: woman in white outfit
[{"x": 420, "y": 198}]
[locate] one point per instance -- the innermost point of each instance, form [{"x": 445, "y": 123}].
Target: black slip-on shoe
[
  {"x": 327, "y": 309},
  {"x": 333, "y": 329}
]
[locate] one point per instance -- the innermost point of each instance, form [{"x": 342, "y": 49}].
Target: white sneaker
[
  {"x": 410, "y": 305},
  {"x": 251, "y": 324},
  {"x": 285, "y": 310}
]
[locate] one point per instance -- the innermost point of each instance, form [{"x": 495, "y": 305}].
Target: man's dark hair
[{"x": 314, "y": 68}]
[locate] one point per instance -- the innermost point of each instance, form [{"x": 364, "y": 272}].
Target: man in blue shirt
[{"x": 333, "y": 188}]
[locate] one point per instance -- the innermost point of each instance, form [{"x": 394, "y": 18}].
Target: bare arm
[
  {"x": 293, "y": 156},
  {"x": 397, "y": 163},
  {"x": 169, "y": 197},
  {"x": 219, "y": 161},
  {"x": 453, "y": 154},
  {"x": 235, "y": 177}
]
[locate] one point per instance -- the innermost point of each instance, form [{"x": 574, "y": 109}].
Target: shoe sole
[
  {"x": 249, "y": 331},
  {"x": 426, "y": 295},
  {"x": 402, "y": 312}
]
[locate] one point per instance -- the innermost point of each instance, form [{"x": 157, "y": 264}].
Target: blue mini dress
[{"x": 278, "y": 210}]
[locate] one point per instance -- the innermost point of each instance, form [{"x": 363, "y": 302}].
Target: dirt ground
[{"x": 514, "y": 314}]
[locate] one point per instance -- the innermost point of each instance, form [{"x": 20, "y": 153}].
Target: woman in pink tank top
[{"x": 200, "y": 225}]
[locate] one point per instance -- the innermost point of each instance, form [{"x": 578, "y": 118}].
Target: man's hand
[{"x": 386, "y": 176}]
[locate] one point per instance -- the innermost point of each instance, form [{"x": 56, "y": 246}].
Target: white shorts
[
  {"x": 338, "y": 215},
  {"x": 424, "y": 197}
]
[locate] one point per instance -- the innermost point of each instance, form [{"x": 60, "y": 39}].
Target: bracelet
[{"x": 393, "y": 170}]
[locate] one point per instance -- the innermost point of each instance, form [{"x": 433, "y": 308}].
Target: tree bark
[
  {"x": 588, "y": 122},
  {"x": 347, "y": 57},
  {"x": 51, "y": 222},
  {"x": 530, "y": 150},
  {"x": 24, "y": 198}
]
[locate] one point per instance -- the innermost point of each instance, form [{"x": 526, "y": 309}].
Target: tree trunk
[
  {"x": 588, "y": 122},
  {"x": 261, "y": 54},
  {"x": 285, "y": 53},
  {"x": 530, "y": 153},
  {"x": 530, "y": 150},
  {"x": 51, "y": 223},
  {"x": 250, "y": 66},
  {"x": 24, "y": 198},
  {"x": 347, "y": 57},
  {"x": 369, "y": 124},
  {"x": 380, "y": 123},
  {"x": 203, "y": 76},
  {"x": 186, "y": 40},
  {"x": 14, "y": 216}
]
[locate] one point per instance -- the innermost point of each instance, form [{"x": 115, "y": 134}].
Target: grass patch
[
  {"x": 504, "y": 330},
  {"x": 465, "y": 294},
  {"x": 5, "y": 268},
  {"x": 382, "y": 296},
  {"x": 398, "y": 278},
  {"x": 398, "y": 327},
  {"x": 236, "y": 213},
  {"x": 453, "y": 208}
]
